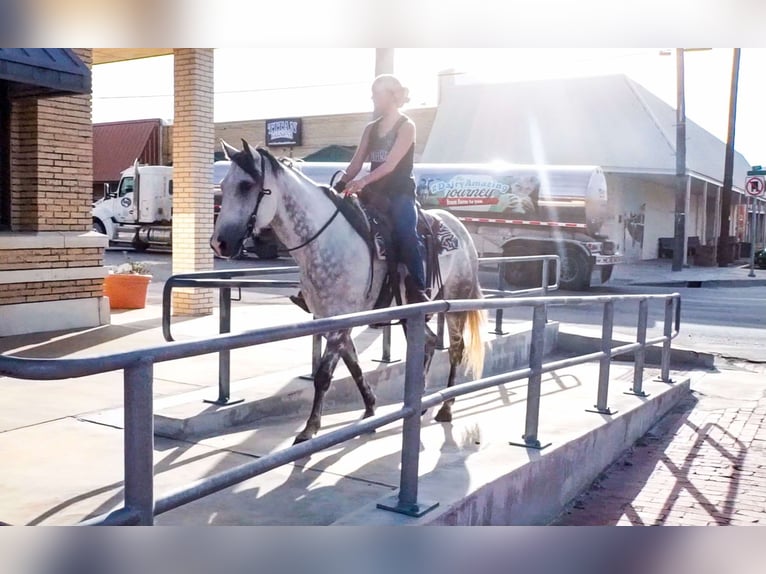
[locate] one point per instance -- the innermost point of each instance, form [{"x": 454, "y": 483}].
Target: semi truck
[
  {"x": 139, "y": 211},
  {"x": 514, "y": 210}
]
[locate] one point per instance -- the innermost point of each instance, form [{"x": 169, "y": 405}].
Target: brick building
[{"x": 51, "y": 265}]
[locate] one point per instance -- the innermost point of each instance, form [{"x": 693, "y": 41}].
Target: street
[{"x": 726, "y": 321}]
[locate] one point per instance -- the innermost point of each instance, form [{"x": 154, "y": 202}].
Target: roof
[
  {"x": 44, "y": 72},
  {"x": 116, "y": 146},
  {"x": 610, "y": 121}
]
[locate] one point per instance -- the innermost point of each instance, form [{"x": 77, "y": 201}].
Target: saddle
[{"x": 373, "y": 225}]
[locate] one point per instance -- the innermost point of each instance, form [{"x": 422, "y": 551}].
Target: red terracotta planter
[{"x": 126, "y": 291}]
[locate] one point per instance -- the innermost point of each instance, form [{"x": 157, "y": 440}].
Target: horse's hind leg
[
  {"x": 455, "y": 324},
  {"x": 322, "y": 379},
  {"x": 350, "y": 358}
]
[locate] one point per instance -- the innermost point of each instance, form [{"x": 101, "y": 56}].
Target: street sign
[{"x": 754, "y": 186}]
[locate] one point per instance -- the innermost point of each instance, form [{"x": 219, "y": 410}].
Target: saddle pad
[{"x": 445, "y": 239}]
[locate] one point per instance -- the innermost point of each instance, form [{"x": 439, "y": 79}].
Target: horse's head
[{"x": 246, "y": 205}]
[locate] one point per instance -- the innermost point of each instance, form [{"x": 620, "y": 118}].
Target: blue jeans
[{"x": 404, "y": 218}]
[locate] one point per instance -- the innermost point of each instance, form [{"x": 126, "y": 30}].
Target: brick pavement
[{"x": 700, "y": 465}]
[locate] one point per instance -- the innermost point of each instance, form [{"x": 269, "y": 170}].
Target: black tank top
[{"x": 401, "y": 179}]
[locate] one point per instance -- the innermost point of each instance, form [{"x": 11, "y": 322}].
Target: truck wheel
[
  {"x": 575, "y": 270},
  {"x": 139, "y": 245},
  {"x": 521, "y": 274},
  {"x": 98, "y": 227}
]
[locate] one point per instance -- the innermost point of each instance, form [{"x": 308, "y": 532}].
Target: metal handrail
[
  {"x": 226, "y": 280},
  {"x": 140, "y": 505}
]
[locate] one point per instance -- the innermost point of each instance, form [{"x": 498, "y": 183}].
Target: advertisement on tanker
[{"x": 507, "y": 195}]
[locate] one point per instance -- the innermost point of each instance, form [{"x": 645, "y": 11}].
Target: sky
[{"x": 259, "y": 83}]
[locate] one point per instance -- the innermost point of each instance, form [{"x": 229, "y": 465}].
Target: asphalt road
[{"x": 730, "y": 322}]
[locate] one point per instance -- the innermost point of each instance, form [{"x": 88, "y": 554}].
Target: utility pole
[
  {"x": 679, "y": 228},
  {"x": 724, "y": 247}
]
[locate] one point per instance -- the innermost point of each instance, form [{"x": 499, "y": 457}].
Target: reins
[{"x": 265, "y": 191}]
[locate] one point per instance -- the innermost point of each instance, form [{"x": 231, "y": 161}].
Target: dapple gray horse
[{"x": 259, "y": 191}]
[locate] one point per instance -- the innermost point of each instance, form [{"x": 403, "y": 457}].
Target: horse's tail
[{"x": 475, "y": 325}]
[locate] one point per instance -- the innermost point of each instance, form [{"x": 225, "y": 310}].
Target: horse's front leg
[
  {"x": 456, "y": 351},
  {"x": 322, "y": 379}
]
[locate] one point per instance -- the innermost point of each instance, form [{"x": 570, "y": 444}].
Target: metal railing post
[
  {"x": 224, "y": 357},
  {"x": 440, "y": 318},
  {"x": 667, "y": 331},
  {"x": 316, "y": 357},
  {"x": 640, "y": 354},
  {"x": 536, "y": 353},
  {"x": 139, "y": 441},
  {"x": 386, "y": 356},
  {"x": 499, "y": 311},
  {"x": 605, "y": 362},
  {"x": 414, "y": 384}
]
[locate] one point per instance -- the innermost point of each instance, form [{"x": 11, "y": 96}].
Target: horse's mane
[{"x": 246, "y": 162}]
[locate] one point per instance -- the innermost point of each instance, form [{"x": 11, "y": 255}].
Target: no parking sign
[{"x": 754, "y": 186}]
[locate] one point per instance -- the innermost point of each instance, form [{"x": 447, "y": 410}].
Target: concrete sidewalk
[
  {"x": 658, "y": 272},
  {"x": 704, "y": 463},
  {"x": 67, "y": 461}
]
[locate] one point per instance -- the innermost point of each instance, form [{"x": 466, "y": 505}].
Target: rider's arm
[
  {"x": 405, "y": 137},
  {"x": 355, "y": 166}
]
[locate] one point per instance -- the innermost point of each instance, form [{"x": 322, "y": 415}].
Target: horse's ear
[
  {"x": 246, "y": 148},
  {"x": 228, "y": 150}
]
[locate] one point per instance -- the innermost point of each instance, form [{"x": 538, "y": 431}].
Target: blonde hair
[{"x": 391, "y": 83}]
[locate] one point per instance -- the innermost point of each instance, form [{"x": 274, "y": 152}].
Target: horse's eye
[{"x": 245, "y": 186}]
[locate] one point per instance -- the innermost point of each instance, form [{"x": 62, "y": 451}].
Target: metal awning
[{"x": 43, "y": 72}]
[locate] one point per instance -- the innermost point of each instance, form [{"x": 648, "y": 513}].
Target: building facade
[{"x": 51, "y": 264}]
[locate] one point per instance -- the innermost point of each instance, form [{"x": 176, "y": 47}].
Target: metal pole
[
  {"x": 667, "y": 332},
  {"x": 386, "y": 358},
  {"x": 440, "y": 331},
  {"x": 752, "y": 237},
  {"x": 724, "y": 248},
  {"x": 224, "y": 357},
  {"x": 606, "y": 361},
  {"x": 638, "y": 365},
  {"x": 536, "y": 353},
  {"x": 679, "y": 229},
  {"x": 500, "y": 287},
  {"x": 139, "y": 441},
  {"x": 414, "y": 384}
]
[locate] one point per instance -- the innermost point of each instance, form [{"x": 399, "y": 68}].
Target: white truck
[{"x": 140, "y": 211}]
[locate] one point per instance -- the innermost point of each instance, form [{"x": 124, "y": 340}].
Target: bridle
[{"x": 264, "y": 191}]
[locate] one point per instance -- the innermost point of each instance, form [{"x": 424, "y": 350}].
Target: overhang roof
[
  {"x": 610, "y": 121},
  {"x": 43, "y": 72},
  {"x": 116, "y": 145},
  {"x": 109, "y": 55}
]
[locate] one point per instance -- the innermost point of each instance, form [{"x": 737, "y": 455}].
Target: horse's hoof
[
  {"x": 443, "y": 416},
  {"x": 301, "y": 438}
]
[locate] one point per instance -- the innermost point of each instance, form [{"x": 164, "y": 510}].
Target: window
[
  {"x": 5, "y": 158},
  {"x": 126, "y": 186}
]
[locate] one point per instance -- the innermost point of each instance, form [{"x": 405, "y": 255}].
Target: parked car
[{"x": 760, "y": 259}]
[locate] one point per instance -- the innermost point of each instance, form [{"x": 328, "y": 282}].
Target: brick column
[
  {"x": 192, "y": 175},
  {"x": 52, "y": 159}
]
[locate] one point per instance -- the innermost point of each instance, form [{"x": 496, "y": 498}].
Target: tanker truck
[{"x": 515, "y": 210}]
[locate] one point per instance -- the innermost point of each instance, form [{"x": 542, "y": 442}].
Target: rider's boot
[
  {"x": 413, "y": 292},
  {"x": 300, "y": 301}
]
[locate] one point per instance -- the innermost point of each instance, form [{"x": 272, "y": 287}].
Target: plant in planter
[{"x": 126, "y": 285}]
